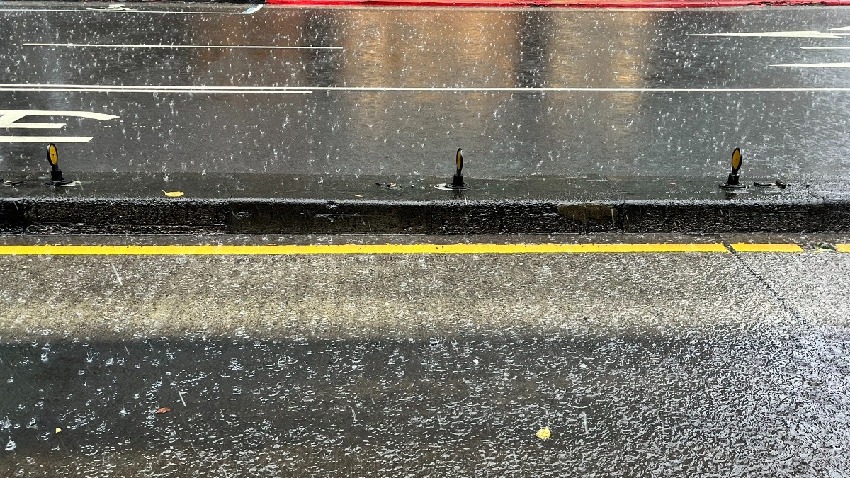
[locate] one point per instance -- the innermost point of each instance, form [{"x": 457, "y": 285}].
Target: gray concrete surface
[{"x": 344, "y": 297}]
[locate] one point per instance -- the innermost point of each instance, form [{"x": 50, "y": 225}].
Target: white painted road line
[
  {"x": 107, "y": 45},
  {"x": 10, "y": 118},
  {"x": 582, "y": 90},
  {"x": 825, "y": 47},
  {"x": 45, "y": 139},
  {"x": 233, "y": 90},
  {"x": 113, "y": 10},
  {"x": 814, "y": 65},
  {"x": 386, "y": 89},
  {"x": 790, "y": 34}
]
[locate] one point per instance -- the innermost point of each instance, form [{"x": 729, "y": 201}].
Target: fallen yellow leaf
[
  {"x": 544, "y": 433},
  {"x": 173, "y": 194}
]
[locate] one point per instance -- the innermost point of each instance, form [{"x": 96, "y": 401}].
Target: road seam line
[{"x": 783, "y": 304}]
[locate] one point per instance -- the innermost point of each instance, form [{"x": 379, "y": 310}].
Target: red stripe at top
[{"x": 560, "y": 3}]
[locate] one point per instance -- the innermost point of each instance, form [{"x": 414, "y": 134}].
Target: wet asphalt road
[
  {"x": 626, "y": 90},
  {"x": 640, "y": 364}
]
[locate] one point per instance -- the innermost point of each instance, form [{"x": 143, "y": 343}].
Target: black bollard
[
  {"x": 56, "y": 178},
  {"x": 457, "y": 179},
  {"x": 733, "y": 181}
]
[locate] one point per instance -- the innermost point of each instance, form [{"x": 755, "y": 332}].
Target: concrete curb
[
  {"x": 248, "y": 203},
  {"x": 298, "y": 216}
]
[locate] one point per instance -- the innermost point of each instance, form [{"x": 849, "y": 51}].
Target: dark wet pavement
[
  {"x": 717, "y": 402},
  {"x": 393, "y": 93},
  {"x": 640, "y": 364}
]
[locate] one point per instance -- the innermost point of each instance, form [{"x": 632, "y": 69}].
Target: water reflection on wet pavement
[
  {"x": 349, "y": 117},
  {"x": 718, "y": 401}
]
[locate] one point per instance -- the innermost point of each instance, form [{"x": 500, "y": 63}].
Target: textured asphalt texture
[{"x": 702, "y": 364}]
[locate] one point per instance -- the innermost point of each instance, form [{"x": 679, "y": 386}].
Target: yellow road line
[
  {"x": 742, "y": 247},
  {"x": 842, "y": 247},
  {"x": 328, "y": 249}
]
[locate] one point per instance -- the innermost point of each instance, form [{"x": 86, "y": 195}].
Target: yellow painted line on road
[
  {"x": 842, "y": 247},
  {"x": 350, "y": 249},
  {"x": 742, "y": 247},
  {"x": 342, "y": 249}
]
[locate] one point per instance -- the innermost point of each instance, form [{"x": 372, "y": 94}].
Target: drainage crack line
[{"x": 767, "y": 285}]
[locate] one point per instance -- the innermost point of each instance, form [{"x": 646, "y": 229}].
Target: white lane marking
[
  {"x": 45, "y": 139},
  {"x": 382, "y": 89},
  {"x": 825, "y": 47},
  {"x": 14, "y": 10},
  {"x": 791, "y": 34},
  {"x": 814, "y": 65},
  {"x": 113, "y": 10},
  {"x": 143, "y": 45},
  {"x": 9, "y": 118},
  {"x": 578, "y": 89},
  {"x": 840, "y": 29},
  {"x": 118, "y": 7},
  {"x": 252, "y": 9},
  {"x": 155, "y": 89}
]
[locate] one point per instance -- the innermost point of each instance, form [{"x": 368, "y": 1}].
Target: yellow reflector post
[
  {"x": 737, "y": 159},
  {"x": 52, "y": 154}
]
